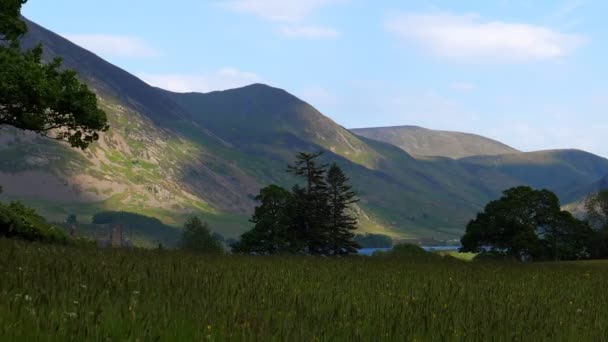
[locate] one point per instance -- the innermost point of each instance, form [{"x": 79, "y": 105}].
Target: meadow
[{"x": 50, "y": 293}]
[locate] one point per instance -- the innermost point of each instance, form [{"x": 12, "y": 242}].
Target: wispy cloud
[
  {"x": 469, "y": 38},
  {"x": 292, "y": 15},
  {"x": 309, "y": 32},
  {"x": 279, "y": 10},
  {"x": 226, "y": 78},
  {"x": 109, "y": 46}
]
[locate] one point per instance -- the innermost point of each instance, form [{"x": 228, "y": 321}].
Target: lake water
[{"x": 370, "y": 251}]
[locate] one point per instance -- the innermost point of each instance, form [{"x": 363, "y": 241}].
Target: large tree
[
  {"x": 42, "y": 97},
  {"x": 596, "y": 206},
  {"x": 273, "y": 232},
  {"x": 342, "y": 223},
  {"x": 312, "y": 202},
  {"x": 526, "y": 224}
]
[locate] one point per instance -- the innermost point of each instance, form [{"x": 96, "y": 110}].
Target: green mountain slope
[
  {"x": 171, "y": 155},
  {"x": 426, "y": 142},
  {"x": 562, "y": 171}
]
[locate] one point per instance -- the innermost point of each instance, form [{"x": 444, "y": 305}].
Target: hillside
[
  {"x": 426, "y": 142},
  {"x": 171, "y": 155},
  {"x": 563, "y": 171}
]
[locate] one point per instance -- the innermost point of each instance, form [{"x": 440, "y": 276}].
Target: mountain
[
  {"x": 426, "y": 142},
  {"x": 563, "y": 171},
  {"x": 173, "y": 155}
]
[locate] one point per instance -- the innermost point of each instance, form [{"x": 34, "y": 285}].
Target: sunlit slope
[{"x": 426, "y": 142}]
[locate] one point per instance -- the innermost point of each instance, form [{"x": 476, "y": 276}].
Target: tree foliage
[
  {"x": 312, "y": 219},
  {"x": 342, "y": 223},
  {"x": 42, "y": 97},
  {"x": 596, "y": 206},
  {"x": 20, "y": 222},
  {"x": 272, "y": 233},
  {"x": 197, "y": 237},
  {"x": 11, "y": 26},
  {"x": 527, "y": 224},
  {"x": 311, "y": 202}
]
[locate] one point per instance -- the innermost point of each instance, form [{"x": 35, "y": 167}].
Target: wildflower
[
  {"x": 209, "y": 327},
  {"x": 83, "y": 286},
  {"x": 28, "y": 298},
  {"x": 76, "y": 302}
]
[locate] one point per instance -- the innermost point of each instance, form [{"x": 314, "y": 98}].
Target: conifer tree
[
  {"x": 341, "y": 224},
  {"x": 311, "y": 203}
]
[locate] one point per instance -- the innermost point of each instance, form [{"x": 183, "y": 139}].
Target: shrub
[{"x": 21, "y": 222}]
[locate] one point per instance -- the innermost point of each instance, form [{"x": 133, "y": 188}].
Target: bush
[
  {"x": 21, "y": 222},
  {"x": 197, "y": 237}
]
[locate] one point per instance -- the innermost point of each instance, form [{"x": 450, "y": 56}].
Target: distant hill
[
  {"x": 172, "y": 155},
  {"x": 426, "y": 142},
  {"x": 564, "y": 171}
]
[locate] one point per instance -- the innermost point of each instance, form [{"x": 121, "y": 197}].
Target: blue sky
[{"x": 531, "y": 74}]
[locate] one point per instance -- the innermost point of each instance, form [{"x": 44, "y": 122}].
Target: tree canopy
[
  {"x": 42, "y": 97},
  {"x": 527, "y": 224},
  {"x": 314, "y": 218}
]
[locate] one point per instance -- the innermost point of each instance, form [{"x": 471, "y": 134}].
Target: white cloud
[
  {"x": 468, "y": 38},
  {"x": 309, "y": 32},
  {"x": 226, "y": 78},
  {"x": 279, "y": 10},
  {"x": 464, "y": 87},
  {"x": 107, "y": 45}
]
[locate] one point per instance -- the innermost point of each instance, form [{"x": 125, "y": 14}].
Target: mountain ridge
[
  {"x": 172, "y": 155},
  {"x": 422, "y": 141}
]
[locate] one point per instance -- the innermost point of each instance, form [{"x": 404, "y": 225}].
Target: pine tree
[
  {"x": 311, "y": 203},
  {"x": 341, "y": 224}
]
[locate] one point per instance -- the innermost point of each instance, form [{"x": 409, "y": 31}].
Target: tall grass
[{"x": 69, "y": 293}]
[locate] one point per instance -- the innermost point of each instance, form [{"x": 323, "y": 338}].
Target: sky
[{"x": 532, "y": 74}]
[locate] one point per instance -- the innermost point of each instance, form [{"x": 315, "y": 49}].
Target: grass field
[{"x": 67, "y": 293}]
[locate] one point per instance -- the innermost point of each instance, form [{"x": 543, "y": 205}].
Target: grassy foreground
[{"x": 66, "y": 293}]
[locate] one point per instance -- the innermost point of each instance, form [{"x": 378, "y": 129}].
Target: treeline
[
  {"x": 314, "y": 218},
  {"x": 529, "y": 225}
]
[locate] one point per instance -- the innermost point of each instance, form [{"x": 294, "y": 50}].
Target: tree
[
  {"x": 312, "y": 203},
  {"x": 41, "y": 97},
  {"x": 272, "y": 233},
  {"x": 197, "y": 237},
  {"x": 11, "y": 26},
  {"x": 526, "y": 224},
  {"x": 596, "y": 206},
  {"x": 341, "y": 224}
]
